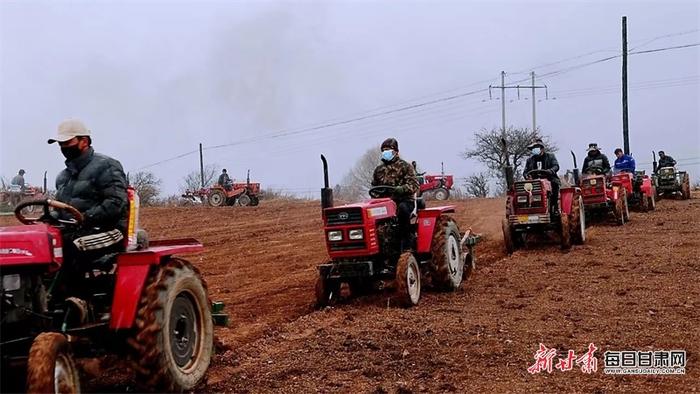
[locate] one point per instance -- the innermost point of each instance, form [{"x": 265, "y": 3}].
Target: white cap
[{"x": 68, "y": 129}]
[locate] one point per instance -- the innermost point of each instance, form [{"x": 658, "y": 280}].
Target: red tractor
[
  {"x": 640, "y": 190},
  {"x": 529, "y": 211},
  {"x": 364, "y": 247},
  {"x": 240, "y": 193},
  {"x": 144, "y": 303},
  {"x": 603, "y": 196},
  {"x": 437, "y": 186}
]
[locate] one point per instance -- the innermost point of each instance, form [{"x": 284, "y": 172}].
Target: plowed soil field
[{"x": 635, "y": 287}]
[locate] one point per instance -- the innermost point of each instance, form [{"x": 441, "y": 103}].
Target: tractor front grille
[
  {"x": 536, "y": 187},
  {"x": 344, "y": 216},
  {"x": 343, "y": 246}
]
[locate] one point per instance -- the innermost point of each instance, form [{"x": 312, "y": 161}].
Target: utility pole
[
  {"x": 201, "y": 164},
  {"x": 503, "y": 88},
  {"x": 503, "y": 102},
  {"x": 625, "y": 121}
]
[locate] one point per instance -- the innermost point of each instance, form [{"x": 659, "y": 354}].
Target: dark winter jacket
[
  {"x": 224, "y": 179},
  {"x": 596, "y": 160},
  {"x": 544, "y": 161},
  {"x": 397, "y": 173},
  {"x": 95, "y": 184},
  {"x": 666, "y": 161},
  {"x": 625, "y": 164}
]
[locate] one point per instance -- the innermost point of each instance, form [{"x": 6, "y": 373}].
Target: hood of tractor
[
  {"x": 350, "y": 230},
  {"x": 29, "y": 245}
]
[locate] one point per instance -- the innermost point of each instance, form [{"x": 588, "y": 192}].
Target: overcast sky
[{"x": 154, "y": 79}]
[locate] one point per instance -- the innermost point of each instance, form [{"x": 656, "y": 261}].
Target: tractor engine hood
[{"x": 29, "y": 245}]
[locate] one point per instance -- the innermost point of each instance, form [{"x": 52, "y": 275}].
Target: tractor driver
[
  {"x": 547, "y": 162},
  {"x": 624, "y": 162},
  {"x": 394, "y": 171},
  {"x": 666, "y": 160},
  {"x": 18, "y": 180},
  {"x": 95, "y": 185},
  {"x": 224, "y": 180},
  {"x": 595, "y": 159}
]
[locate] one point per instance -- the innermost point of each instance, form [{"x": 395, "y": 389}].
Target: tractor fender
[
  {"x": 646, "y": 187},
  {"x": 567, "y": 195},
  {"x": 426, "y": 225},
  {"x": 130, "y": 278}
]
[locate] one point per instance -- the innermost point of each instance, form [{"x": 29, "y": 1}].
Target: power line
[{"x": 331, "y": 124}]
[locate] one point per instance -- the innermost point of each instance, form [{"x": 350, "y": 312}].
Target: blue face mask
[
  {"x": 387, "y": 155},
  {"x": 536, "y": 151}
]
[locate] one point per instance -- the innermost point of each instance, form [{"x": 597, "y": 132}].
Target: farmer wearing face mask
[
  {"x": 548, "y": 164},
  {"x": 394, "y": 171},
  {"x": 95, "y": 185}
]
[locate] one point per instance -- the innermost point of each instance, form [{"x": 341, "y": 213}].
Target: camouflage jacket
[{"x": 397, "y": 173}]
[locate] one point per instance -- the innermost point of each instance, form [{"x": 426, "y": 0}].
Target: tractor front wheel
[
  {"x": 408, "y": 286},
  {"x": 50, "y": 367},
  {"x": 254, "y": 201},
  {"x": 217, "y": 198},
  {"x": 652, "y": 201},
  {"x": 446, "y": 263},
  {"x": 627, "y": 207},
  {"x": 244, "y": 200},
  {"x": 327, "y": 292},
  {"x": 174, "y": 329},
  {"x": 508, "y": 240},
  {"x": 441, "y": 194}
]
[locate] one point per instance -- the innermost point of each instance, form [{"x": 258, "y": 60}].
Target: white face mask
[
  {"x": 536, "y": 151},
  {"x": 387, "y": 155}
]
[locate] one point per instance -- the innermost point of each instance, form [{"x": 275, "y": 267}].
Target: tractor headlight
[
  {"x": 522, "y": 198},
  {"x": 11, "y": 282},
  {"x": 537, "y": 197},
  {"x": 335, "y": 235},
  {"x": 356, "y": 234}
]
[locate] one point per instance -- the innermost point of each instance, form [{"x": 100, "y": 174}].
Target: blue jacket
[{"x": 625, "y": 164}]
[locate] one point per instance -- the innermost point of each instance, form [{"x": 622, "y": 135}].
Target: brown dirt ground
[{"x": 633, "y": 287}]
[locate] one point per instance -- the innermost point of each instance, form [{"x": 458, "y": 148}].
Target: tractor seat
[{"x": 420, "y": 203}]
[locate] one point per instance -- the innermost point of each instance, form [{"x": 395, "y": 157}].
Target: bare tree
[
  {"x": 357, "y": 181},
  {"x": 488, "y": 150},
  {"x": 477, "y": 185},
  {"x": 193, "y": 180},
  {"x": 147, "y": 186}
]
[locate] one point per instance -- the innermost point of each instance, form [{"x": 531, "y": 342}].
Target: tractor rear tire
[
  {"x": 217, "y": 198},
  {"x": 441, "y": 194},
  {"x": 174, "y": 329},
  {"x": 620, "y": 209},
  {"x": 446, "y": 265},
  {"x": 50, "y": 367},
  {"x": 408, "y": 284},
  {"x": 627, "y": 208},
  {"x": 565, "y": 232},
  {"x": 244, "y": 200},
  {"x": 254, "y": 201},
  {"x": 508, "y": 235},
  {"x": 685, "y": 187},
  {"x": 578, "y": 222},
  {"x": 327, "y": 292}
]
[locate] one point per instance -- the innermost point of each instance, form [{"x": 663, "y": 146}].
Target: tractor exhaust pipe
[
  {"x": 655, "y": 165},
  {"x": 577, "y": 175},
  {"x": 46, "y": 190},
  {"x": 326, "y": 192},
  {"x": 508, "y": 170}
]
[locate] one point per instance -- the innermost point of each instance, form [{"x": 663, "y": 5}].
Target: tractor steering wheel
[
  {"x": 46, "y": 217},
  {"x": 381, "y": 191},
  {"x": 539, "y": 174},
  {"x": 595, "y": 170}
]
